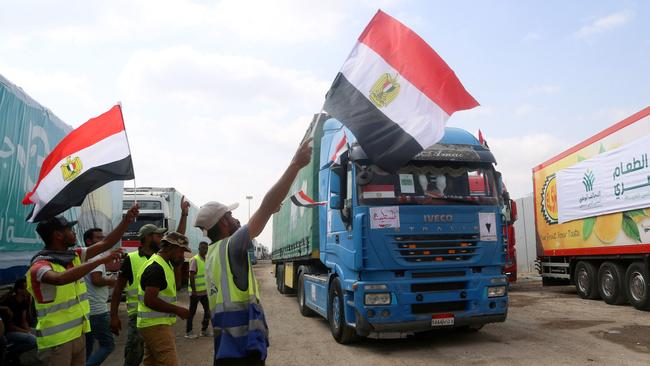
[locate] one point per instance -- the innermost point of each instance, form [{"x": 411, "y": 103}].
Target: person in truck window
[
  {"x": 240, "y": 330},
  {"x": 55, "y": 282}
]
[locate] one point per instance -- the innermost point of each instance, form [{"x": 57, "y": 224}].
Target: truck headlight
[
  {"x": 496, "y": 291},
  {"x": 380, "y": 298}
]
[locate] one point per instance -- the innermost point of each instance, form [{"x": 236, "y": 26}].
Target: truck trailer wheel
[
  {"x": 637, "y": 287},
  {"x": 304, "y": 309},
  {"x": 611, "y": 283},
  {"x": 341, "y": 332},
  {"x": 586, "y": 279}
]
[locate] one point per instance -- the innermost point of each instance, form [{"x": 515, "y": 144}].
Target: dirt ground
[{"x": 545, "y": 326}]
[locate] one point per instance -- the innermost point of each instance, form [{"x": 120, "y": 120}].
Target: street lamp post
[{"x": 249, "y": 198}]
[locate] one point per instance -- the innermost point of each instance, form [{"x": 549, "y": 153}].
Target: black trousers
[{"x": 194, "y": 303}]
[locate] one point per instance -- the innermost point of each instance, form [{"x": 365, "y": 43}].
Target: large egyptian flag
[
  {"x": 87, "y": 158},
  {"x": 395, "y": 93}
]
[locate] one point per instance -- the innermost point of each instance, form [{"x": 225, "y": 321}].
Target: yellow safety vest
[
  {"x": 237, "y": 317},
  {"x": 131, "y": 290},
  {"x": 148, "y": 317},
  {"x": 199, "y": 278},
  {"x": 65, "y": 318}
]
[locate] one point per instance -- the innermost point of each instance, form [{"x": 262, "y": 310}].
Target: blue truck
[{"x": 419, "y": 249}]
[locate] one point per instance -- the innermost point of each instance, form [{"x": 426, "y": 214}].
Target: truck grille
[
  {"x": 435, "y": 248},
  {"x": 440, "y": 286}
]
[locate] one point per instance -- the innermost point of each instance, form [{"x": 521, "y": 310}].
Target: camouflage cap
[
  {"x": 177, "y": 239},
  {"x": 150, "y": 229}
]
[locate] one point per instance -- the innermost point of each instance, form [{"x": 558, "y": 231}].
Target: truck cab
[{"x": 406, "y": 251}]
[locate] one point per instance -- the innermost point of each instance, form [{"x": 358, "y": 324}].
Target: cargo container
[
  {"x": 592, "y": 214},
  {"x": 407, "y": 252},
  {"x": 28, "y": 133}
]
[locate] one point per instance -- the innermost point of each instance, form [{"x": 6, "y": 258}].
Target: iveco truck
[{"x": 409, "y": 251}]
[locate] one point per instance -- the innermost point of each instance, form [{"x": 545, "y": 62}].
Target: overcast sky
[{"x": 217, "y": 94}]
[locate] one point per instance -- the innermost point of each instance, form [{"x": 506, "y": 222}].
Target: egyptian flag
[
  {"x": 395, "y": 93},
  {"x": 300, "y": 199},
  {"x": 94, "y": 154},
  {"x": 340, "y": 148}
]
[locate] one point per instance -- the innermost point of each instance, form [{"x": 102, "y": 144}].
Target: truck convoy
[
  {"x": 28, "y": 133},
  {"x": 401, "y": 252},
  {"x": 161, "y": 207},
  {"x": 592, "y": 215}
]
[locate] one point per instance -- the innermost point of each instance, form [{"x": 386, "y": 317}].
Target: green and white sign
[{"x": 614, "y": 181}]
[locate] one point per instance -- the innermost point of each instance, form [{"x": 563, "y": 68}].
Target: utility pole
[{"x": 249, "y": 198}]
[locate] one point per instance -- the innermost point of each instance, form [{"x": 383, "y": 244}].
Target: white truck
[{"x": 161, "y": 207}]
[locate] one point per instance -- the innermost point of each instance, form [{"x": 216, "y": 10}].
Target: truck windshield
[
  {"x": 423, "y": 183},
  {"x": 134, "y": 227}
]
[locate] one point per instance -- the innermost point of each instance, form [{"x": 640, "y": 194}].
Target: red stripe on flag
[
  {"x": 305, "y": 197},
  {"x": 88, "y": 134},
  {"x": 416, "y": 61},
  {"x": 339, "y": 147}
]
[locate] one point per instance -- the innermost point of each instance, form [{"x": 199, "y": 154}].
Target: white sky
[{"x": 217, "y": 94}]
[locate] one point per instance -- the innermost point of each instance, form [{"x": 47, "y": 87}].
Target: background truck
[
  {"x": 405, "y": 252},
  {"x": 28, "y": 133},
  {"x": 161, "y": 207},
  {"x": 592, "y": 214}
]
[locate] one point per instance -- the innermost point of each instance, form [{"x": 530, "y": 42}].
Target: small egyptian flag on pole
[
  {"x": 90, "y": 156},
  {"x": 300, "y": 199},
  {"x": 395, "y": 93},
  {"x": 340, "y": 148}
]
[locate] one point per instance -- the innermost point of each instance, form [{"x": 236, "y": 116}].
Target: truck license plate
[{"x": 442, "y": 320}]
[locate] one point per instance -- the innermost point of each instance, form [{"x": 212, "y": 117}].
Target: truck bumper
[{"x": 364, "y": 328}]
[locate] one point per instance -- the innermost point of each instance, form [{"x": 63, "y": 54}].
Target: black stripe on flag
[
  {"x": 76, "y": 191},
  {"x": 384, "y": 141}
]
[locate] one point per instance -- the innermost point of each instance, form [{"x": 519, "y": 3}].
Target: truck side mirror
[
  {"x": 336, "y": 178},
  {"x": 335, "y": 202}
]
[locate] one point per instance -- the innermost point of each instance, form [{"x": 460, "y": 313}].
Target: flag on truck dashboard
[
  {"x": 395, "y": 93},
  {"x": 300, "y": 199},
  {"x": 90, "y": 156}
]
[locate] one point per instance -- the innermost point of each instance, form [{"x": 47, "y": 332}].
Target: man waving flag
[
  {"x": 94, "y": 154},
  {"x": 395, "y": 93}
]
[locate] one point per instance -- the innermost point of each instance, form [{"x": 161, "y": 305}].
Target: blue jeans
[
  {"x": 22, "y": 342},
  {"x": 100, "y": 331}
]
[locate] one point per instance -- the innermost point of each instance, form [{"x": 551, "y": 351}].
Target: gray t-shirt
[
  {"x": 240, "y": 242},
  {"x": 97, "y": 295}
]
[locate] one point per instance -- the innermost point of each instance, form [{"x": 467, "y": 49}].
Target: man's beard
[{"x": 154, "y": 247}]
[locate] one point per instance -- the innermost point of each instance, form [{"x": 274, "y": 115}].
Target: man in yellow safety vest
[
  {"x": 157, "y": 301},
  {"x": 239, "y": 325},
  {"x": 199, "y": 293},
  {"x": 55, "y": 281}
]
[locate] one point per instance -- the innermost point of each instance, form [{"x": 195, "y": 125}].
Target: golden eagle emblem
[
  {"x": 71, "y": 168},
  {"x": 384, "y": 90}
]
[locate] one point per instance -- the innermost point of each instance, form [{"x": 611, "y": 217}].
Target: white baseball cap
[{"x": 210, "y": 213}]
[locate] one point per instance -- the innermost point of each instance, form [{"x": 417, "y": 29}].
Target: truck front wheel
[
  {"x": 637, "y": 286},
  {"x": 586, "y": 280},
  {"x": 304, "y": 309},
  {"x": 341, "y": 332},
  {"x": 611, "y": 283}
]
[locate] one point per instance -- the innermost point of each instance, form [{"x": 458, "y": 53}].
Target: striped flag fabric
[
  {"x": 340, "y": 148},
  {"x": 395, "y": 93},
  {"x": 300, "y": 199},
  {"x": 90, "y": 156}
]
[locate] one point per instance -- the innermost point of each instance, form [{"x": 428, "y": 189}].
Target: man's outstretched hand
[{"x": 303, "y": 154}]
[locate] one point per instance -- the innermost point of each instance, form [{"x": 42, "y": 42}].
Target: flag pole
[{"x": 135, "y": 197}]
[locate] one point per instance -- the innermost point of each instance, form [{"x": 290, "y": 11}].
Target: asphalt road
[{"x": 545, "y": 326}]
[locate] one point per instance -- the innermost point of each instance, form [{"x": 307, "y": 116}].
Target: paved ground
[{"x": 545, "y": 326}]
